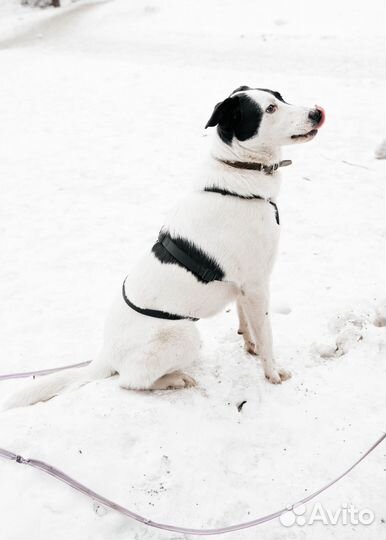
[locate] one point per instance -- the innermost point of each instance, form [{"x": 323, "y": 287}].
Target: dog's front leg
[
  {"x": 256, "y": 308},
  {"x": 249, "y": 344}
]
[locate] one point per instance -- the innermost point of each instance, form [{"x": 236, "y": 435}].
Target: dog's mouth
[{"x": 306, "y": 136}]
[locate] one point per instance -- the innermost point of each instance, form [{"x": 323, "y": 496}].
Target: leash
[
  {"x": 66, "y": 479},
  {"x": 39, "y": 373}
]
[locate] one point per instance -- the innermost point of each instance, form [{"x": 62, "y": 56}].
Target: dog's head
[{"x": 257, "y": 116}]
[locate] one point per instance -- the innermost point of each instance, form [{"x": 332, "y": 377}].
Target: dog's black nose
[{"x": 316, "y": 116}]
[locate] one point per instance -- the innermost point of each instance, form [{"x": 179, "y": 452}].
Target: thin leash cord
[
  {"x": 41, "y": 372},
  {"x": 66, "y": 479}
]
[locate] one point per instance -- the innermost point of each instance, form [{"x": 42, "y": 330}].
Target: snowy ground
[{"x": 102, "y": 108}]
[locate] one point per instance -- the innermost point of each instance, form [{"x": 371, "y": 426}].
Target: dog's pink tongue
[{"x": 323, "y": 116}]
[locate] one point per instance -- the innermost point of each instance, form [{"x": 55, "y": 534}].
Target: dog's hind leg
[
  {"x": 160, "y": 363},
  {"x": 150, "y": 379}
]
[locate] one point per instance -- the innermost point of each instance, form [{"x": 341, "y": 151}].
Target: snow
[
  {"x": 380, "y": 151},
  {"x": 102, "y": 108}
]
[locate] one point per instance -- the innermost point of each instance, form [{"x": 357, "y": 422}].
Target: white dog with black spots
[{"x": 218, "y": 246}]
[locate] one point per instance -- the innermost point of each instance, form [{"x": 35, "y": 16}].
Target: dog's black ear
[{"x": 225, "y": 113}]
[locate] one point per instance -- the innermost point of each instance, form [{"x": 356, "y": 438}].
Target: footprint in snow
[{"x": 347, "y": 330}]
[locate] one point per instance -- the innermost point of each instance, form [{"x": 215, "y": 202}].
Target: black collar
[
  {"x": 266, "y": 169},
  {"x": 247, "y": 197}
]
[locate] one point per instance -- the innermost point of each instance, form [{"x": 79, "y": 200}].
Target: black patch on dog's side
[
  {"x": 199, "y": 256},
  {"x": 238, "y": 116}
]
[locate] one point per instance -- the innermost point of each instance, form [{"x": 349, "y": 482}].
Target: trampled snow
[{"x": 102, "y": 108}]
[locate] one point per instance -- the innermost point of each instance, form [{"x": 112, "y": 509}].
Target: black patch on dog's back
[{"x": 199, "y": 256}]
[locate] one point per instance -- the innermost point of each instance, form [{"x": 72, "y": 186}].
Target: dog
[{"x": 218, "y": 246}]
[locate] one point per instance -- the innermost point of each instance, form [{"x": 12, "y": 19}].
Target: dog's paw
[
  {"x": 284, "y": 374},
  {"x": 188, "y": 381},
  {"x": 174, "y": 381},
  {"x": 277, "y": 376}
]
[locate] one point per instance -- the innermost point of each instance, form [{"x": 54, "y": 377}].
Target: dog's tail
[{"x": 48, "y": 386}]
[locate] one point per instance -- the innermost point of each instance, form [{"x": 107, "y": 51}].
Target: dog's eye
[{"x": 271, "y": 109}]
